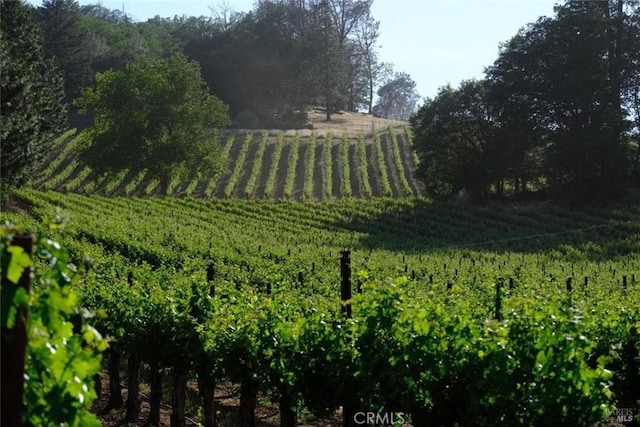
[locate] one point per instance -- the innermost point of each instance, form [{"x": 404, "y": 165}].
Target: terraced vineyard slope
[{"x": 329, "y": 162}]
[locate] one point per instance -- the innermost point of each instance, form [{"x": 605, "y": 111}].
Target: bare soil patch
[
  {"x": 281, "y": 174},
  {"x": 372, "y": 168},
  {"x": 336, "y": 185},
  {"x": 318, "y": 181},
  {"x": 121, "y": 185},
  {"x": 224, "y": 177},
  {"x": 141, "y": 186},
  {"x": 55, "y": 153},
  {"x": 68, "y": 159},
  {"x": 355, "y": 175},
  {"x": 180, "y": 189},
  {"x": 392, "y": 172},
  {"x": 350, "y": 123},
  {"x": 267, "y": 161},
  {"x": 76, "y": 171},
  {"x": 250, "y": 159},
  {"x": 201, "y": 188},
  {"x": 298, "y": 183},
  {"x": 408, "y": 162},
  {"x": 89, "y": 178},
  {"x": 227, "y": 403}
]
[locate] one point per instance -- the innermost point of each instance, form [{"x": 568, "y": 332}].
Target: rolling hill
[{"x": 354, "y": 155}]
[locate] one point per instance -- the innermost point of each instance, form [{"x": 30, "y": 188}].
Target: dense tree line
[
  {"x": 269, "y": 65},
  {"x": 558, "y": 110}
]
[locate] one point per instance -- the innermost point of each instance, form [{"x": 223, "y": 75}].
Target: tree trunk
[
  {"x": 328, "y": 112},
  {"x": 165, "y": 180},
  {"x": 635, "y": 171},
  {"x": 97, "y": 385},
  {"x": 155, "y": 400},
  {"x": 421, "y": 417},
  {"x": 615, "y": 54},
  {"x": 636, "y": 165},
  {"x": 248, "y": 400},
  {"x": 14, "y": 347},
  {"x": 288, "y": 413},
  {"x": 370, "y": 92},
  {"x": 115, "y": 393},
  {"x": 348, "y": 415},
  {"x": 179, "y": 397},
  {"x": 133, "y": 403},
  {"x": 206, "y": 388}
]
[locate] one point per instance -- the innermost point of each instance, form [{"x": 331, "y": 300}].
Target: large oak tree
[
  {"x": 453, "y": 133},
  {"x": 154, "y": 115},
  {"x": 554, "y": 111},
  {"x": 567, "y": 79}
]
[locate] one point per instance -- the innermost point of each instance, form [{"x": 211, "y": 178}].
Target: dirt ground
[
  {"x": 351, "y": 123},
  {"x": 227, "y": 401}
]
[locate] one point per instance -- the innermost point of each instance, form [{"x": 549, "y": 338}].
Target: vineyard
[
  {"x": 271, "y": 165},
  {"x": 458, "y": 314}
]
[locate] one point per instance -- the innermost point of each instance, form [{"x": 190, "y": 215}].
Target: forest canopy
[
  {"x": 269, "y": 64},
  {"x": 558, "y": 111}
]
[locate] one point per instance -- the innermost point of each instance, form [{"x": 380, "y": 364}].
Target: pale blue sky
[{"x": 435, "y": 41}]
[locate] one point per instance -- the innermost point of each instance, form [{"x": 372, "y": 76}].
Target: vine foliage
[{"x": 63, "y": 350}]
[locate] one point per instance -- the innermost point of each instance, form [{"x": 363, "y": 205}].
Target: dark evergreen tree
[
  {"x": 68, "y": 43},
  {"x": 32, "y": 107}
]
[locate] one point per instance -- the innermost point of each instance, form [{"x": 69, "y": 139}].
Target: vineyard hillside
[
  {"x": 354, "y": 155},
  {"x": 536, "y": 303}
]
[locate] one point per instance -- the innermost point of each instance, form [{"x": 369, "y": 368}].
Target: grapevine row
[
  {"x": 255, "y": 324},
  {"x": 66, "y": 173}
]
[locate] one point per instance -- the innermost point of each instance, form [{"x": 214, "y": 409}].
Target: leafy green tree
[
  {"x": 329, "y": 63},
  {"x": 371, "y": 72},
  {"x": 32, "y": 95},
  {"x": 397, "y": 99},
  {"x": 190, "y": 35},
  {"x": 347, "y": 16},
  {"x": 268, "y": 65},
  {"x": 154, "y": 115},
  {"x": 334, "y": 28},
  {"x": 452, "y": 135},
  {"x": 572, "y": 75},
  {"x": 261, "y": 51},
  {"x": 114, "y": 40}
]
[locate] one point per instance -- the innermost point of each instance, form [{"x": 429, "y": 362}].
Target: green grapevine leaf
[{"x": 19, "y": 261}]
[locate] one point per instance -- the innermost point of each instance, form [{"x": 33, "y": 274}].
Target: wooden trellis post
[
  {"x": 345, "y": 289},
  {"x": 14, "y": 346}
]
